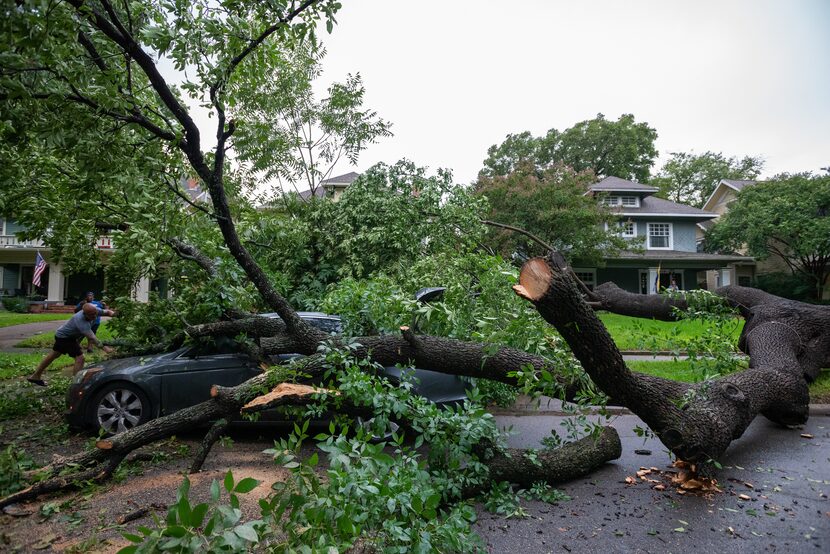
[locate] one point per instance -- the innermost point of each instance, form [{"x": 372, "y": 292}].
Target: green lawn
[
  {"x": 7, "y": 319},
  {"x": 633, "y": 333},
  {"x": 682, "y": 370},
  {"x": 45, "y": 340}
]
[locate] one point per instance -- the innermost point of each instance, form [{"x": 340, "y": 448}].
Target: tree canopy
[
  {"x": 622, "y": 148},
  {"x": 787, "y": 216},
  {"x": 553, "y": 205},
  {"x": 690, "y": 178}
]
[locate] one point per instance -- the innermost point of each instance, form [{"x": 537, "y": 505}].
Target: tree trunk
[{"x": 786, "y": 341}]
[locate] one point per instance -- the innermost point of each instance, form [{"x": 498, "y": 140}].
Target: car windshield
[{"x": 220, "y": 345}]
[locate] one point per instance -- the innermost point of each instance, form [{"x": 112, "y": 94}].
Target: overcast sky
[{"x": 454, "y": 77}]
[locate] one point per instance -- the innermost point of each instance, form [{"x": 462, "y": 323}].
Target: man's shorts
[{"x": 70, "y": 347}]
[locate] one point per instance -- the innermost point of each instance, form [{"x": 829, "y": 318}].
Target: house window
[
  {"x": 587, "y": 276},
  {"x": 628, "y": 229},
  {"x": 624, "y": 229},
  {"x": 659, "y": 236},
  {"x": 625, "y": 201}
]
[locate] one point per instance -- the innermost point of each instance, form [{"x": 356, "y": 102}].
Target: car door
[{"x": 187, "y": 380}]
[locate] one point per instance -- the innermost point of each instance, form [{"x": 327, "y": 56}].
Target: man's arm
[{"x": 96, "y": 341}]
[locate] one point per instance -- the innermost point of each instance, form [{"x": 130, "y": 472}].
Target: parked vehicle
[{"x": 117, "y": 395}]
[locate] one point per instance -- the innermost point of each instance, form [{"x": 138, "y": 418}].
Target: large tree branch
[{"x": 786, "y": 342}]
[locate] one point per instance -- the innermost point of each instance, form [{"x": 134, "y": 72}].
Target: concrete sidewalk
[{"x": 9, "y": 336}]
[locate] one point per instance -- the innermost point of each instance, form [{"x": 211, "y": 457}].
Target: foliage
[
  {"x": 711, "y": 353},
  {"x": 207, "y": 527},
  {"x": 388, "y": 218},
  {"x": 15, "y": 304},
  {"x": 13, "y": 462},
  {"x": 795, "y": 286},
  {"x": 691, "y": 178},
  {"x": 789, "y": 217},
  {"x": 621, "y": 148},
  {"x": 291, "y": 137},
  {"x": 552, "y": 205},
  {"x": 81, "y": 76},
  {"x": 18, "y": 398},
  {"x": 478, "y": 305}
]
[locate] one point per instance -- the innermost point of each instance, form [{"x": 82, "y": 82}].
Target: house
[
  {"x": 669, "y": 249},
  {"x": 17, "y": 266},
  {"x": 331, "y": 188},
  {"x": 742, "y": 274}
]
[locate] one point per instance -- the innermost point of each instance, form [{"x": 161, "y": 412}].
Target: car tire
[{"x": 119, "y": 407}]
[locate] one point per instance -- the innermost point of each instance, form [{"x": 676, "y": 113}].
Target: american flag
[{"x": 40, "y": 267}]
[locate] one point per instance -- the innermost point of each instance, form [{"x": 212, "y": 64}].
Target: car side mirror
[
  {"x": 429, "y": 294},
  {"x": 423, "y": 296}
]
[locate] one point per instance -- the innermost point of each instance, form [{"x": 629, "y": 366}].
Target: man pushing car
[{"x": 68, "y": 341}]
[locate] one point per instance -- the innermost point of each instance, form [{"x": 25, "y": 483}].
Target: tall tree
[
  {"x": 290, "y": 136},
  {"x": 623, "y": 148},
  {"x": 787, "y": 216},
  {"x": 552, "y": 205},
  {"x": 691, "y": 178}
]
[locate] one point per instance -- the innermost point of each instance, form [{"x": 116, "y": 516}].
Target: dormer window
[{"x": 616, "y": 201}]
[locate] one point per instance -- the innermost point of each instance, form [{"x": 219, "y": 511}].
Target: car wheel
[{"x": 119, "y": 407}]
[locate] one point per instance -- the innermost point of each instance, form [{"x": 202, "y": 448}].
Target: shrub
[
  {"x": 16, "y": 304},
  {"x": 786, "y": 285}
]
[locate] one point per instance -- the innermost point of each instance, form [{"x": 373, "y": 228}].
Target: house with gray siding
[{"x": 664, "y": 241}]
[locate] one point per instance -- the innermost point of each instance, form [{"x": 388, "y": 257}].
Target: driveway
[{"x": 9, "y": 336}]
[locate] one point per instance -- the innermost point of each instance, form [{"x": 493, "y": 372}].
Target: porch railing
[{"x": 11, "y": 241}]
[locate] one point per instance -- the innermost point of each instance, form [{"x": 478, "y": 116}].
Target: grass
[
  {"x": 683, "y": 370},
  {"x": 632, "y": 333},
  {"x": 19, "y": 398},
  {"x": 45, "y": 340},
  {"x": 7, "y": 319}
]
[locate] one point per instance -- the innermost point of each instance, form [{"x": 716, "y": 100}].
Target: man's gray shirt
[{"x": 78, "y": 326}]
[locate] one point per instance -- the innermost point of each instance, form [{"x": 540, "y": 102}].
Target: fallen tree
[{"x": 787, "y": 341}]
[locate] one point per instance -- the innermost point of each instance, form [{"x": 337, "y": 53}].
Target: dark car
[{"x": 116, "y": 395}]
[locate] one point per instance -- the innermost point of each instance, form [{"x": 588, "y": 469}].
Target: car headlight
[{"x": 85, "y": 375}]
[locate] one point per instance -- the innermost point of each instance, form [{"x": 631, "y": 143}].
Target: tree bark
[{"x": 786, "y": 342}]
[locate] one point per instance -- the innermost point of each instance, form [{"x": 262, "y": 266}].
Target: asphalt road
[{"x": 787, "y": 509}]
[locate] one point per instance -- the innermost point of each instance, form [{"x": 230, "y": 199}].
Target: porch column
[
  {"x": 56, "y": 283},
  {"x": 725, "y": 277},
  {"x": 142, "y": 290},
  {"x": 652, "y": 280}
]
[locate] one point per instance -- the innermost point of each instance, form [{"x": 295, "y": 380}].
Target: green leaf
[
  {"x": 246, "y": 485},
  {"x": 174, "y": 531},
  {"x": 247, "y": 532},
  {"x": 197, "y": 516},
  {"x": 229, "y": 481}
]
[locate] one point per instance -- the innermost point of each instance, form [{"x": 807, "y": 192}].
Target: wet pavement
[{"x": 784, "y": 479}]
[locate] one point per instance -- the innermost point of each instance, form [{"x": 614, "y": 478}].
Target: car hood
[{"x": 130, "y": 365}]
